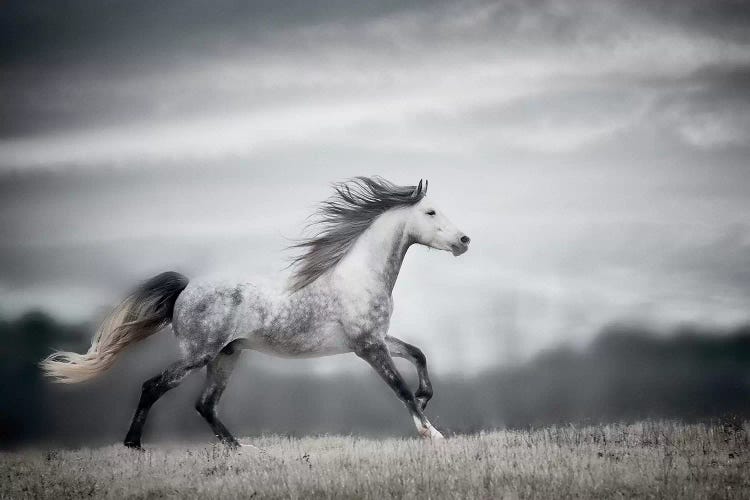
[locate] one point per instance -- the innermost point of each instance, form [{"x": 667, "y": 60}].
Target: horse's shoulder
[{"x": 366, "y": 312}]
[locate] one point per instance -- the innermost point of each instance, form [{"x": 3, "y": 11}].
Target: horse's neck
[{"x": 377, "y": 255}]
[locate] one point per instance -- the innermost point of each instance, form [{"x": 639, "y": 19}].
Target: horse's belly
[{"x": 326, "y": 340}]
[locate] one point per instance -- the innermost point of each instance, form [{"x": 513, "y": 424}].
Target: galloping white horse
[{"x": 338, "y": 301}]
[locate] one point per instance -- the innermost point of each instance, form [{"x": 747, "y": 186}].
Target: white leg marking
[{"x": 428, "y": 432}]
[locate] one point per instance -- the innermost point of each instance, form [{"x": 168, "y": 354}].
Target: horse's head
[{"x": 429, "y": 226}]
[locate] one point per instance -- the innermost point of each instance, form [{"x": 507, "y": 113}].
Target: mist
[{"x": 596, "y": 152}]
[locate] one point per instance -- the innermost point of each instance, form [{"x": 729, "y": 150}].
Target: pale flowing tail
[{"x": 144, "y": 312}]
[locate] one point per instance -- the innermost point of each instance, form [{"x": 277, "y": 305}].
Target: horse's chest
[{"x": 368, "y": 314}]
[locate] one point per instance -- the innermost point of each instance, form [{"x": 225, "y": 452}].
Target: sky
[{"x": 595, "y": 151}]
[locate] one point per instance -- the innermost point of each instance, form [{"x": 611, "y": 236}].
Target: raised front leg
[
  {"x": 401, "y": 349},
  {"x": 378, "y": 357},
  {"x": 217, "y": 376}
]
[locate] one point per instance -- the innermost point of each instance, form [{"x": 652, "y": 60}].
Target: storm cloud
[{"x": 597, "y": 153}]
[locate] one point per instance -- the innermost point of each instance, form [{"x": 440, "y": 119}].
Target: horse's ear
[
  {"x": 418, "y": 190},
  {"x": 426, "y": 182}
]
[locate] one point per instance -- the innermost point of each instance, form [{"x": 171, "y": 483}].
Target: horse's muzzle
[{"x": 459, "y": 248}]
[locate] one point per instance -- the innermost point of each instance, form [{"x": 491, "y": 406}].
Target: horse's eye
[{"x": 431, "y": 212}]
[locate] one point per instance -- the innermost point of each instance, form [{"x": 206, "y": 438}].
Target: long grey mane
[{"x": 341, "y": 219}]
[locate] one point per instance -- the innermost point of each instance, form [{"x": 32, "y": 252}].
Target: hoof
[
  {"x": 133, "y": 445},
  {"x": 231, "y": 443},
  {"x": 431, "y": 433},
  {"x": 436, "y": 434}
]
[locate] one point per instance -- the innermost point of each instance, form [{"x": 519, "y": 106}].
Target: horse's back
[{"x": 210, "y": 314}]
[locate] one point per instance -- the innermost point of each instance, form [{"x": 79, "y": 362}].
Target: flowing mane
[{"x": 341, "y": 219}]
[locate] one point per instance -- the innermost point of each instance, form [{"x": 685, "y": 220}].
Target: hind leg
[
  {"x": 218, "y": 372},
  {"x": 153, "y": 389}
]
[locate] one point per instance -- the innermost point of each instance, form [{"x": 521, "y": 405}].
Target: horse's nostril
[{"x": 465, "y": 239}]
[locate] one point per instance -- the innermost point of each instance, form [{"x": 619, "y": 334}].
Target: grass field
[{"x": 649, "y": 459}]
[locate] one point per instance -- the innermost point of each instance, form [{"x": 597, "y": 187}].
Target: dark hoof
[
  {"x": 133, "y": 445},
  {"x": 232, "y": 444}
]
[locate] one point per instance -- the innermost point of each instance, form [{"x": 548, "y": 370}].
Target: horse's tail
[{"x": 144, "y": 312}]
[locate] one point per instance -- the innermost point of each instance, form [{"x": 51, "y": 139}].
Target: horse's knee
[
  {"x": 423, "y": 395},
  {"x": 424, "y": 391}
]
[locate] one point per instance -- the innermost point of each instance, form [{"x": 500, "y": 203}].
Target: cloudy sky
[{"x": 596, "y": 152}]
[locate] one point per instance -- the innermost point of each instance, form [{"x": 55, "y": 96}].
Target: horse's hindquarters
[{"x": 208, "y": 316}]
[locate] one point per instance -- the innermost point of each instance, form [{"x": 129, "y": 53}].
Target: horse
[{"x": 337, "y": 300}]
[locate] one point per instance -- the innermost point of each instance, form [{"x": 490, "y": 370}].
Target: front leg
[
  {"x": 377, "y": 356},
  {"x": 401, "y": 349}
]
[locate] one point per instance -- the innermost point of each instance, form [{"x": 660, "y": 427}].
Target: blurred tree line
[{"x": 628, "y": 373}]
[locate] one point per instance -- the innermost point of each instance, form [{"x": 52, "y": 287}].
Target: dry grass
[{"x": 649, "y": 459}]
